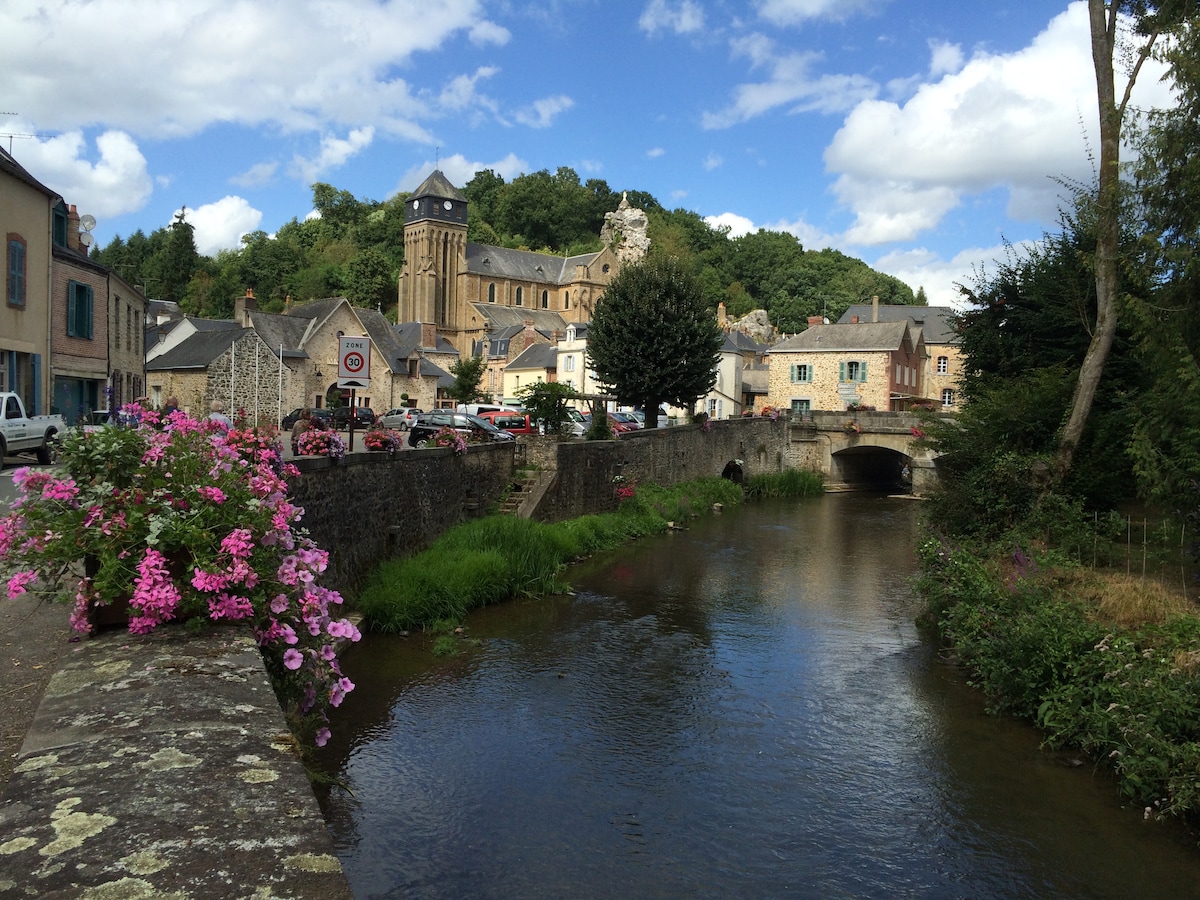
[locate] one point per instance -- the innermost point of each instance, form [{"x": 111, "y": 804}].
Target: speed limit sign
[{"x": 354, "y": 362}]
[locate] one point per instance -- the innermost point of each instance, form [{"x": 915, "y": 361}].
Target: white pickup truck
[{"x": 20, "y": 433}]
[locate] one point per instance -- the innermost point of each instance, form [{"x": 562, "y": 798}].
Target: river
[{"x": 743, "y": 709}]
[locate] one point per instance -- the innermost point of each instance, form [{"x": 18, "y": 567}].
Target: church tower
[{"x": 435, "y": 240}]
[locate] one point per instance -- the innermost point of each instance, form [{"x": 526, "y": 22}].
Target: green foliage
[
  {"x": 788, "y": 483},
  {"x": 546, "y": 402},
  {"x": 489, "y": 560},
  {"x": 370, "y": 279},
  {"x": 467, "y": 372},
  {"x": 652, "y": 338}
]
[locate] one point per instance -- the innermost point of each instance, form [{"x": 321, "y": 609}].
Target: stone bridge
[{"x": 868, "y": 450}]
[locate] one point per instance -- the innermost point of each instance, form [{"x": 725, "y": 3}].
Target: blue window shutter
[
  {"x": 90, "y": 311},
  {"x": 863, "y": 371},
  {"x": 842, "y": 372},
  {"x": 71, "y": 309}
]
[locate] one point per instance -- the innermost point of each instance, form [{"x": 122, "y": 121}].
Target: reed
[{"x": 789, "y": 483}]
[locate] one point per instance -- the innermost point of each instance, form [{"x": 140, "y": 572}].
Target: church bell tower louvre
[{"x": 435, "y": 237}]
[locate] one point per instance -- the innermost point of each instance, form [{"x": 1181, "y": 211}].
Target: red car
[{"x": 514, "y": 423}]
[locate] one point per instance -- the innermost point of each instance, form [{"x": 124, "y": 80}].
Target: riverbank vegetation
[
  {"x": 1027, "y": 565},
  {"x": 500, "y": 557},
  {"x": 788, "y": 483}
]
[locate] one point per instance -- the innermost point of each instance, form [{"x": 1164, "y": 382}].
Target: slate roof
[
  {"x": 935, "y": 322},
  {"x": 276, "y": 330},
  {"x": 755, "y": 378},
  {"x": 499, "y": 318},
  {"x": 873, "y": 336},
  {"x": 198, "y": 351},
  {"x": 746, "y": 343},
  {"x": 437, "y": 185},
  {"x": 535, "y": 356},
  {"x": 524, "y": 265}
]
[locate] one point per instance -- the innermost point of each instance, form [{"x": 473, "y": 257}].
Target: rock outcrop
[{"x": 626, "y": 231}]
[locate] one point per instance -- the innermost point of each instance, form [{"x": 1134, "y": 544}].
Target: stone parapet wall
[{"x": 368, "y": 507}]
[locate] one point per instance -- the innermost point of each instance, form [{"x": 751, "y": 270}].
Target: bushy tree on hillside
[{"x": 653, "y": 338}]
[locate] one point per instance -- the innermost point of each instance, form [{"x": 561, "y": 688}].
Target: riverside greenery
[
  {"x": 497, "y": 558},
  {"x": 186, "y": 522},
  {"x": 1103, "y": 664}
]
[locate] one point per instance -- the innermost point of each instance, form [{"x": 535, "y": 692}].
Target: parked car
[
  {"x": 401, "y": 418},
  {"x": 512, "y": 422},
  {"x": 478, "y": 409},
  {"x": 430, "y": 424},
  {"x": 20, "y": 433},
  {"x": 364, "y": 417},
  {"x": 627, "y": 419},
  {"x": 320, "y": 416}
]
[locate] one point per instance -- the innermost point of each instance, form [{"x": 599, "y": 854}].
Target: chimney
[
  {"x": 243, "y": 308},
  {"x": 875, "y": 308},
  {"x": 722, "y": 316},
  {"x": 816, "y": 320},
  {"x": 429, "y": 335},
  {"x": 73, "y": 230},
  {"x": 530, "y": 333},
  {"x": 854, "y": 320},
  {"x": 557, "y": 336}
]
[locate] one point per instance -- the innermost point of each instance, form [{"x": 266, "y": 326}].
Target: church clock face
[
  {"x": 416, "y": 204},
  {"x": 448, "y": 205}
]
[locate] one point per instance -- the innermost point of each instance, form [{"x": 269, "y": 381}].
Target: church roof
[
  {"x": 438, "y": 185},
  {"x": 499, "y": 318},
  {"x": 524, "y": 265}
]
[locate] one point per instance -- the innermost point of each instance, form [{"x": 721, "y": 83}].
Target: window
[
  {"x": 545, "y": 299},
  {"x": 16, "y": 271},
  {"x": 802, "y": 372},
  {"x": 569, "y": 362},
  {"x": 60, "y": 225},
  {"x": 943, "y": 365},
  {"x": 947, "y": 397},
  {"x": 854, "y": 370},
  {"x": 79, "y": 310},
  {"x": 801, "y": 408},
  {"x": 492, "y": 292},
  {"x": 519, "y": 292},
  {"x": 898, "y": 374}
]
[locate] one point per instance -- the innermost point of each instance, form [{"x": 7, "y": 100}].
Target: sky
[{"x": 921, "y": 137}]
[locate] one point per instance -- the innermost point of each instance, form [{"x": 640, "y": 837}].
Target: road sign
[
  {"x": 354, "y": 359},
  {"x": 345, "y": 384}
]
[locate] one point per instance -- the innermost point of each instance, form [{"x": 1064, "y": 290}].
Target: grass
[
  {"x": 497, "y": 558},
  {"x": 789, "y": 483}
]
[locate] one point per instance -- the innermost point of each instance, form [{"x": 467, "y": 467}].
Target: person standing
[
  {"x": 303, "y": 424},
  {"x": 217, "y": 414}
]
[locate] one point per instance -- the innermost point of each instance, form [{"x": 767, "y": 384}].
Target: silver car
[{"x": 401, "y": 418}]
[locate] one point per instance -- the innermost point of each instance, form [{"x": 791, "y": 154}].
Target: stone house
[
  {"x": 536, "y": 364},
  {"x": 70, "y": 332},
  {"x": 942, "y": 374},
  {"x": 724, "y": 400},
  {"x": 829, "y": 367}
]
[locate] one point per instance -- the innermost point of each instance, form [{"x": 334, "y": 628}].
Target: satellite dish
[
  {"x": 86, "y": 239},
  {"x": 87, "y": 222}
]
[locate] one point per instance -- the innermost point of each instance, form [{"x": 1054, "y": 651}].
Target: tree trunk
[
  {"x": 650, "y": 408},
  {"x": 1103, "y": 28}
]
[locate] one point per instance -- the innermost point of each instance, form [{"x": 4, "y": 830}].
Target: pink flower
[
  {"x": 293, "y": 658},
  {"x": 213, "y": 494},
  {"x": 323, "y": 736},
  {"x": 19, "y": 582}
]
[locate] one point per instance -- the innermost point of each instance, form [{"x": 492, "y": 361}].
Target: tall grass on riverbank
[
  {"x": 494, "y": 559},
  {"x": 789, "y": 483},
  {"x": 1105, "y": 664}
]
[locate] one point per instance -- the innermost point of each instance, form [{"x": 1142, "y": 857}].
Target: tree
[
  {"x": 546, "y": 403},
  {"x": 467, "y": 374},
  {"x": 1106, "y": 22},
  {"x": 370, "y": 279},
  {"x": 653, "y": 338}
]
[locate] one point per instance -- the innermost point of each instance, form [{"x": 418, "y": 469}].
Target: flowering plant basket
[
  {"x": 185, "y": 524},
  {"x": 448, "y": 437},
  {"x": 321, "y": 442},
  {"x": 382, "y": 439}
]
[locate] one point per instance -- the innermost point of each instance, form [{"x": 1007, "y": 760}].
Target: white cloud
[
  {"x": 302, "y": 65},
  {"x": 920, "y": 267},
  {"x": 794, "y": 12},
  {"x": 256, "y": 175},
  {"x": 790, "y": 84},
  {"x": 459, "y": 170},
  {"x": 713, "y": 161},
  {"x": 944, "y": 59},
  {"x": 334, "y": 153},
  {"x": 221, "y": 225},
  {"x": 543, "y": 112},
  {"x": 116, "y": 183},
  {"x": 686, "y": 17},
  {"x": 655, "y": 152},
  {"x": 737, "y": 225},
  {"x": 992, "y": 123}
]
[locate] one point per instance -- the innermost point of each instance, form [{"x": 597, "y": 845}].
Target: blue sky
[{"x": 917, "y": 136}]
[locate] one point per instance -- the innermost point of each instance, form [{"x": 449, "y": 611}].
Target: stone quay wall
[
  {"x": 586, "y": 469},
  {"x": 368, "y": 506}
]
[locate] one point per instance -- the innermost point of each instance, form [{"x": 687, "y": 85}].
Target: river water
[{"x": 744, "y": 709}]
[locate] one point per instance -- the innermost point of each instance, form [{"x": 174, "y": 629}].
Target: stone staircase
[{"x": 519, "y": 492}]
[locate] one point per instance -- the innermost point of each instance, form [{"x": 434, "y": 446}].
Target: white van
[{"x": 474, "y": 409}]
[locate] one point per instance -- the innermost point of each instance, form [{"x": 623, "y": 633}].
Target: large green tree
[
  {"x": 653, "y": 338},
  {"x": 468, "y": 373}
]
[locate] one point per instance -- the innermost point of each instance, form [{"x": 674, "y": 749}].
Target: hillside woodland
[{"x": 354, "y": 248}]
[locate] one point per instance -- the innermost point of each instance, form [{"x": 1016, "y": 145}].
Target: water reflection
[{"x": 745, "y": 709}]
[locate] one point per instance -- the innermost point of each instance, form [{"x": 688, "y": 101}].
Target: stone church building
[{"x": 460, "y": 286}]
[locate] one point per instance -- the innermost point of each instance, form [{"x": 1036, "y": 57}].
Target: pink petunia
[{"x": 293, "y": 658}]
